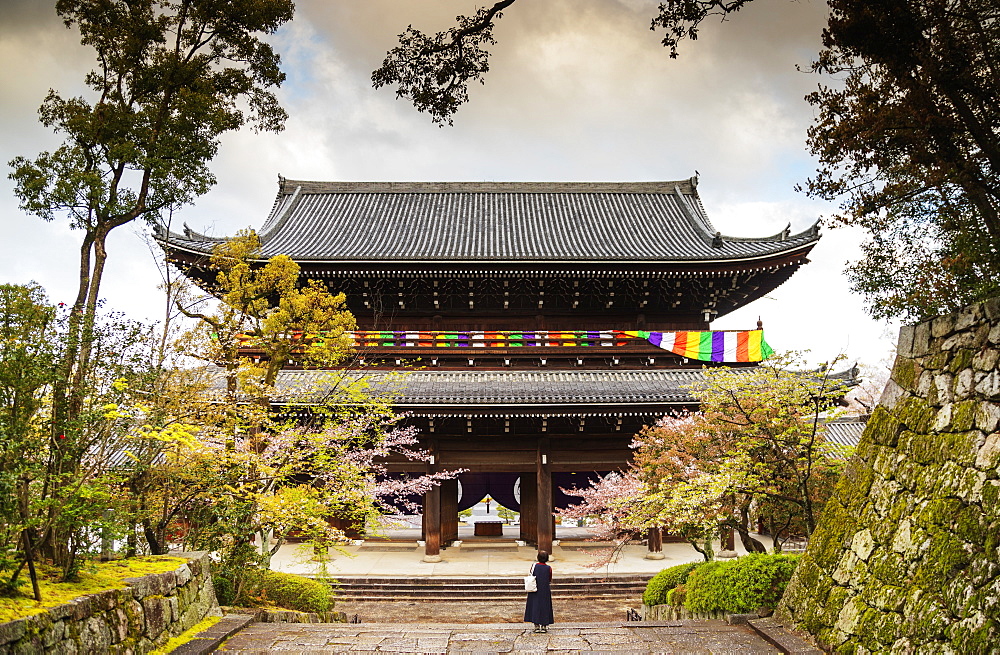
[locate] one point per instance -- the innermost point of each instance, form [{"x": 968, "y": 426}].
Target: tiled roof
[
  {"x": 516, "y": 222},
  {"x": 845, "y": 433},
  {"x": 444, "y": 388}
]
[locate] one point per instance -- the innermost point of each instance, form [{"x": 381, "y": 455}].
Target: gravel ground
[{"x": 478, "y": 611}]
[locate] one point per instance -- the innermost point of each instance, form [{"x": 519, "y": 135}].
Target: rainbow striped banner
[
  {"x": 722, "y": 347},
  {"x": 746, "y": 346}
]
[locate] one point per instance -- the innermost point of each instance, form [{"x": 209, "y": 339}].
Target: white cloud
[{"x": 579, "y": 90}]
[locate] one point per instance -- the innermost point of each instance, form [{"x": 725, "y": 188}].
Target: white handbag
[{"x": 530, "y": 583}]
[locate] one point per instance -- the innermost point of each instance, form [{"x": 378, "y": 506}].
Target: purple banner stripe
[{"x": 718, "y": 346}]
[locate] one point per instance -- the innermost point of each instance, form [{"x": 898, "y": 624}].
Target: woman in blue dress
[{"x": 538, "y": 608}]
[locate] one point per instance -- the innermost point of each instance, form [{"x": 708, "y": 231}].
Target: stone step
[
  {"x": 492, "y": 581},
  {"x": 439, "y": 588}
]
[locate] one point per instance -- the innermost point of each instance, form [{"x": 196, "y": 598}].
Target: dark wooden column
[
  {"x": 432, "y": 525},
  {"x": 529, "y": 508},
  {"x": 546, "y": 526},
  {"x": 654, "y": 543},
  {"x": 449, "y": 511},
  {"x": 432, "y": 515}
]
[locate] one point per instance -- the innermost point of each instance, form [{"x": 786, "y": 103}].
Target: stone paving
[{"x": 697, "y": 637}]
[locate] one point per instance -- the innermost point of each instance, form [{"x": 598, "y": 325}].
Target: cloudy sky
[{"x": 580, "y": 90}]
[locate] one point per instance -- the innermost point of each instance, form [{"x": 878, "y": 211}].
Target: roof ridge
[{"x": 287, "y": 187}]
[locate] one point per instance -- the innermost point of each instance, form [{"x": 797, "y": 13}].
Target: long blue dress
[{"x": 538, "y": 607}]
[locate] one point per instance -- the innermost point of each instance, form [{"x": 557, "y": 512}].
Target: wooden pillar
[
  {"x": 545, "y": 522},
  {"x": 529, "y": 508},
  {"x": 432, "y": 525},
  {"x": 654, "y": 543},
  {"x": 449, "y": 511},
  {"x": 432, "y": 515}
]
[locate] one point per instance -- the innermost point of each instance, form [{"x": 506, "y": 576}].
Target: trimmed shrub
[
  {"x": 292, "y": 592},
  {"x": 224, "y": 590},
  {"x": 677, "y": 595},
  {"x": 664, "y": 581},
  {"x": 749, "y": 583}
]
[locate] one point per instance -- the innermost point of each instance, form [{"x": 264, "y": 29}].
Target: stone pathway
[{"x": 697, "y": 637}]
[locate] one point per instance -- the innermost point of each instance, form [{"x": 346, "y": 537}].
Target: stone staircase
[{"x": 626, "y": 586}]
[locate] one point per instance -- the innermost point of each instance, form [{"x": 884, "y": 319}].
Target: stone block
[
  {"x": 986, "y": 360},
  {"x": 81, "y": 608},
  {"x": 167, "y": 583},
  {"x": 968, "y": 317},
  {"x": 942, "y": 326},
  {"x": 904, "y": 344},
  {"x": 989, "y": 386},
  {"x": 994, "y": 334},
  {"x": 921, "y": 342},
  {"x": 991, "y": 310},
  {"x": 892, "y": 393},
  {"x": 60, "y": 612},
  {"x": 863, "y": 544},
  {"x": 849, "y": 616},
  {"x": 11, "y": 631},
  {"x": 964, "y": 383},
  {"x": 959, "y": 340},
  {"x": 55, "y": 633},
  {"x": 136, "y": 617},
  {"x": 118, "y": 623},
  {"x": 95, "y": 636},
  {"x": 183, "y": 575},
  {"x": 842, "y": 574},
  {"x": 987, "y": 416},
  {"x": 175, "y": 611},
  {"x": 988, "y": 456},
  {"x": 64, "y": 647},
  {"x": 944, "y": 385},
  {"x": 141, "y": 587},
  {"x": 157, "y": 613},
  {"x": 942, "y": 421}
]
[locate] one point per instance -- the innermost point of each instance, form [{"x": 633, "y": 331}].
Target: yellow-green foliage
[
  {"x": 289, "y": 591},
  {"x": 100, "y": 577},
  {"x": 743, "y": 585},
  {"x": 187, "y": 635},
  {"x": 663, "y": 582}
]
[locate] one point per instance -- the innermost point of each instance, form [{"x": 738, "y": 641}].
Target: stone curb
[
  {"x": 208, "y": 640},
  {"x": 778, "y": 636}
]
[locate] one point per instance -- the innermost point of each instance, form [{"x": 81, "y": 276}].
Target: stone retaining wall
[
  {"x": 906, "y": 557},
  {"x": 678, "y": 613},
  {"x": 136, "y": 619}
]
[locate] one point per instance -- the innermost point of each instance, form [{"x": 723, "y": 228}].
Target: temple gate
[{"x": 543, "y": 323}]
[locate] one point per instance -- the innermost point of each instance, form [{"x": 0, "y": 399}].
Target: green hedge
[
  {"x": 742, "y": 585},
  {"x": 664, "y": 581},
  {"x": 273, "y": 589},
  {"x": 294, "y": 592}
]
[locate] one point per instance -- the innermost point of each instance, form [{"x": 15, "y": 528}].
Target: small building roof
[
  {"x": 844, "y": 434},
  {"x": 499, "y": 222}
]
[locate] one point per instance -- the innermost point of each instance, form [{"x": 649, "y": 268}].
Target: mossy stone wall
[
  {"x": 906, "y": 557},
  {"x": 136, "y": 619}
]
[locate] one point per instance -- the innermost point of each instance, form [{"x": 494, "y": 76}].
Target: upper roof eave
[
  {"x": 487, "y": 263},
  {"x": 288, "y": 187},
  {"x": 661, "y": 224}
]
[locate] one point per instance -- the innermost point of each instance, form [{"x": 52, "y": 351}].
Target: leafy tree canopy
[
  {"x": 907, "y": 137},
  {"x": 171, "y": 77}
]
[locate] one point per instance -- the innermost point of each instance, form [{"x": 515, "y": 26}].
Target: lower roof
[{"x": 497, "y": 389}]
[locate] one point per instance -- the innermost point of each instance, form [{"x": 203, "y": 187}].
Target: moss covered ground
[{"x": 94, "y": 578}]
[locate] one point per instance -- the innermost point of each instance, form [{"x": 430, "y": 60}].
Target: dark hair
[{"x": 543, "y": 556}]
